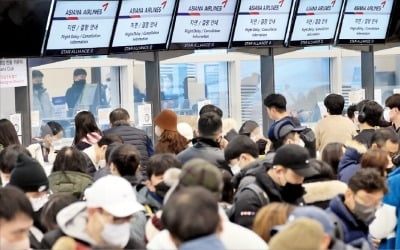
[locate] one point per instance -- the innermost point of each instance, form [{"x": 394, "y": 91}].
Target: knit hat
[
  {"x": 198, "y": 172},
  {"x": 316, "y": 214},
  {"x": 167, "y": 119},
  {"x": 302, "y": 233},
  {"x": 29, "y": 175},
  {"x": 282, "y": 128}
]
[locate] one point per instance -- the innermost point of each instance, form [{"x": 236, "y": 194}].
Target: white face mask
[
  {"x": 102, "y": 164},
  {"x": 386, "y": 114},
  {"x": 4, "y": 181},
  {"x": 158, "y": 131},
  {"x": 235, "y": 169},
  {"x": 301, "y": 143},
  {"x": 19, "y": 245},
  {"x": 38, "y": 203},
  {"x": 116, "y": 235}
]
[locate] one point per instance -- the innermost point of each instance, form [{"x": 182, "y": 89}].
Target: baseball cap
[
  {"x": 113, "y": 194},
  {"x": 296, "y": 158},
  {"x": 281, "y": 128},
  {"x": 302, "y": 233},
  {"x": 317, "y": 214}
]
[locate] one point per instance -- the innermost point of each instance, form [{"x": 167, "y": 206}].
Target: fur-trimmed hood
[
  {"x": 350, "y": 162},
  {"x": 357, "y": 146},
  {"x": 323, "y": 190}
]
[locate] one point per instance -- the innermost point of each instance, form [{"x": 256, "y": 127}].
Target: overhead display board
[
  {"x": 261, "y": 23},
  {"x": 365, "y": 21},
  {"x": 202, "y": 24},
  {"x": 315, "y": 22},
  {"x": 143, "y": 25},
  {"x": 81, "y": 27}
]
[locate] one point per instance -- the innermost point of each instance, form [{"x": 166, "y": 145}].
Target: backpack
[{"x": 261, "y": 195}]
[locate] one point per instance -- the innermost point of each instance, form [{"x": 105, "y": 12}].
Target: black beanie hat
[{"x": 29, "y": 175}]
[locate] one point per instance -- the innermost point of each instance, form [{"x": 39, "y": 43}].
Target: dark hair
[
  {"x": 50, "y": 128},
  {"x": 126, "y": 159},
  {"x": 228, "y": 192},
  {"x": 239, "y": 145},
  {"x": 171, "y": 142},
  {"x": 279, "y": 143},
  {"x": 108, "y": 139},
  {"x": 324, "y": 170},
  {"x": 351, "y": 110},
  {"x": 334, "y": 103},
  {"x": 377, "y": 159},
  {"x": 119, "y": 114},
  {"x": 78, "y": 72},
  {"x": 384, "y": 134},
  {"x": 393, "y": 101},
  {"x": 211, "y": 108},
  {"x": 13, "y": 202},
  {"x": 248, "y": 127},
  {"x": 276, "y": 101},
  {"x": 191, "y": 213},
  {"x": 369, "y": 180},
  {"x": 48, "y": 216},
  {"x": 209, "y": 124},
  {"x": 110, "y": 149},
  {"x": 36, "y": 73},
  {"x": 370, "y": 112},
  {"x": 159, "y": 163},
  {"x": 8, "y": 134},
  {"x": 70, "y": 159},
  {"x": 9, "y": 156},
  {"x": 332, "y": 154},
  {"x": 84, "y": 124}
]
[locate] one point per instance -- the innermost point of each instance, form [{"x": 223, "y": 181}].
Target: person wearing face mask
[
  {"x": 16, "y": 220},
  {"x": 74, "y": 93},
  {"x": 95, "y": 155},
  {"x": 29, "y": 176},
  {"x": 355, "y": 209},
  {"x": 240, "y": 152},
  {"x": 207, "y": 145},
  {"x": 391, "y": 112},
  {"x": 369, "y": 116},
  {"x": 151, "y": 195},
  {"x": 102, "y": 221},
  {"x": 69, "y": 174},
  {"x": 279, "y": 182},
  {"x": 43, "y": 150},
  {"x": 40, "y": 97},
  {"x": 170, "y": 140}
]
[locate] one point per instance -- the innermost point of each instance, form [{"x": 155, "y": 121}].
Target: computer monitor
[
  {"x": 81, "y": 27},
  {"x": 143, "y": 25},
  {"x": 203, "y": 24},
  {"x": 365, "y": 22},
  {"x": 261, "y": 23},
  {"x": 315, "y": 22}
]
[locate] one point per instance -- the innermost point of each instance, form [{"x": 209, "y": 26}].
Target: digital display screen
[
  {"x": 365, "y": 21},
  {"x": 315, "y": 22},
  {"x": 143, "y": 25},
  {"x": 23, "y": 25},
  {"x": 202, "y": 24},
  {"x": 81, "y": 27},
  {"x": 261, "y": 23}
]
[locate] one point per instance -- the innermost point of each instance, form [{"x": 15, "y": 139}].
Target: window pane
[
  {"x": 351, "y": 68},
  {"x": 304, "y": 83},
  {"x": 183, "y": 86},
  {"x": 387, "y": 73},
  {"x": 59, "y": 93}
]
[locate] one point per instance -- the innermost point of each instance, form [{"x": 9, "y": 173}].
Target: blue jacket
[
  {"x": 207, "y": 242},
  {"x": 393, "y": 199},
  {"x": 354, "y": 231},
  {"x": 349, "y": 164}
]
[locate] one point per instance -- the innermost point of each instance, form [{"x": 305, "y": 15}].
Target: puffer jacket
[
  {"x": 69, "y": 182},
  {"x": 135, "y": 137},
  {"x": 350, "y": 162}
]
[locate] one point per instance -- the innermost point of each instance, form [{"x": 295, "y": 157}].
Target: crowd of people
[{"x": 334, "y": 186}]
